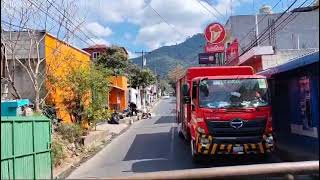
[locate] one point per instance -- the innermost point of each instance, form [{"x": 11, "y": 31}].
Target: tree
[
  {"x": 100, "y": 87},
  {"x": 116, "y": 59},
  {"x": 87, "y": 90},
  {"x": 28, "y": 17},
  {"x": 141, "y": 78},
  {"x": 175, "y": 74},
  {"x": 133, "y": 72},
  {"x": 164, "y": 85}
]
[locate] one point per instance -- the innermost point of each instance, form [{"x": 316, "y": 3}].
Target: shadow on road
[
  {"x": 160, "y": 156},
  {"x": 149, "y": 146},
  {"x": 165, "y": 119},
  {"x": 167, "y": 151}
]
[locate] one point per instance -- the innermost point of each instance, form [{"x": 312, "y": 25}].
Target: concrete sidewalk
[
  {"x": 97, "y": 140},
  {"x": 290, "y": 149}
]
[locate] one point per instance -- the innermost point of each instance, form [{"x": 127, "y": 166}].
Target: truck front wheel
[
  {"x": 180, "y": 133},
  {"x": 196, "y": 158}
]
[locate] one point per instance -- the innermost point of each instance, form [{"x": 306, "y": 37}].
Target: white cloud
[
  {"x": 158, "y": 35},
  {"x": 186, "y": 17},
  {"x": 98, "y": 30},
  {"x": 94, "y": 41},
  {"x": 113, "y": 11},
  {"x": 132, "y": 54}
]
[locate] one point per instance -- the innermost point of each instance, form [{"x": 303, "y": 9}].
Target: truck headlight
[
  {"x": 269, "y": 140},
  {"x": 200, "y": 130},
  {"x": 204, "y": 141}
]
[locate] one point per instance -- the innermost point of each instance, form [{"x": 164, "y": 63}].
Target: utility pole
[
  {"x": 142, "y": 56},
  {"x": 142, "y": 90}
]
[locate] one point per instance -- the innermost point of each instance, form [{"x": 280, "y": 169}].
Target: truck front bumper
[{"x": 207, "y": 144}]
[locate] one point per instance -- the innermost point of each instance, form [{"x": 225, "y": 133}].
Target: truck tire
[
  {"x": 196, "y": 158},
  {"x": 181, "y": 135}
]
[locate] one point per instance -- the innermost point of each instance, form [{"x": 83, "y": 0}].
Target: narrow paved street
[{"x": 148, "y": 146}]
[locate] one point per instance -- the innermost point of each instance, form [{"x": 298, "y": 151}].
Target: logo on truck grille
[{"x": 236, "y": 123}]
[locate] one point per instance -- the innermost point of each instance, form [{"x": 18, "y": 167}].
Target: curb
[{"x": 84, "y": 159}]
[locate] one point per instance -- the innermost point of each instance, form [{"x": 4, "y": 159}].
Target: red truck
[{"x": 224, "y": 110}]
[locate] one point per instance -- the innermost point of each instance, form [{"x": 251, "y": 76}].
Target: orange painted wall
[
  {"x": 60, "y": 57},
  {"x": 119, "y": 90},
  {"x": 120, "y": 81}
]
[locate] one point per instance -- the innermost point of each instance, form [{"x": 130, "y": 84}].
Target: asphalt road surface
[{"x": 148, "y": 146}]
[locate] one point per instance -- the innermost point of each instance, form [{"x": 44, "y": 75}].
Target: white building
[{"x": 133, "y": 95}]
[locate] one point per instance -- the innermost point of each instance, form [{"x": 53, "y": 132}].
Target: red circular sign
[{"x": 215, "y": 33}]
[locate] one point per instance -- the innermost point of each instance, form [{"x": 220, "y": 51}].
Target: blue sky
[{"x": 135, "y": 24}]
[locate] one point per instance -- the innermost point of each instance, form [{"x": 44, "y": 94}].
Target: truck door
[
  {"x": 184, "y": 110},
  {"x": 193, "y": 98}
]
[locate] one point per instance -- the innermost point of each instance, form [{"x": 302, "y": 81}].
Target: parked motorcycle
[
  {"x": 115, "y": 118},
  {"x": 146, "y": 113}
]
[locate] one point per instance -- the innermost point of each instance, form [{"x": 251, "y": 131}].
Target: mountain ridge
[{"x": 161, "y": 60}]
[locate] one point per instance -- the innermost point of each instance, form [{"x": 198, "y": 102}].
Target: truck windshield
[{"x": 232, "y": 93}]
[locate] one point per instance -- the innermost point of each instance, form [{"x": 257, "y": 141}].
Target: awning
[
  {"x": 292, "y": 64},
  {"x": 256, "y": 51}
]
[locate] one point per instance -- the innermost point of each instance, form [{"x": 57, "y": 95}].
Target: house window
[{"x": 95, "y": 55}]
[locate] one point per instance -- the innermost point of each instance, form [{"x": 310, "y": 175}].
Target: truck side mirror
[
  {"x": 186, "y": 100},
  {"x": 185, "y": 90}
]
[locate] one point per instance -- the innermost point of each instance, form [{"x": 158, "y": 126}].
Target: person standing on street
[{"x": 133, "y": 108}]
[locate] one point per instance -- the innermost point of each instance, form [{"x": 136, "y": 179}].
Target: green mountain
[{"x": 163, "y": 59}]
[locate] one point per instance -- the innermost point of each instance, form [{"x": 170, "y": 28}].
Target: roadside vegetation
[{"x": 87, "y": 98}]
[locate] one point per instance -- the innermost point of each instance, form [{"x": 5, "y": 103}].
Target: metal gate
[{"x": 26, "y": 147}]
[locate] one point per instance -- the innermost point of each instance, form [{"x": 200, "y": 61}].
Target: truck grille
[{"x": 254, "y": 127}]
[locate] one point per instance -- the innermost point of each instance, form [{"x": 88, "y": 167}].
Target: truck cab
[{"x": 225, "y": 113}]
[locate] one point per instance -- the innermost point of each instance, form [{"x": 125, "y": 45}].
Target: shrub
[
  {"x": 70, "y": 132},
  {"x": 58, "y": 152}
]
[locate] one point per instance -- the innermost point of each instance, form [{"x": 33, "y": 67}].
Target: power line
[
  {"x": 173, "y": 27},
  {"x": 72, "y": 21},
  {"x": 198, "y": 1},
  {"x": 273, "y": 24},
  {"x": 266, "y": 30},
  {"x": 265, "y": 37},
  {"x": 38, "y": 7},
  {"x": 283, "y": 21},
  {"x": 49, "y": 15},
  {"x": 259, "y": 21},
  {"x": 56, "y": 49},
  {"x": 142, "y": 57},
  {"x": 215, "y": 8}
]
